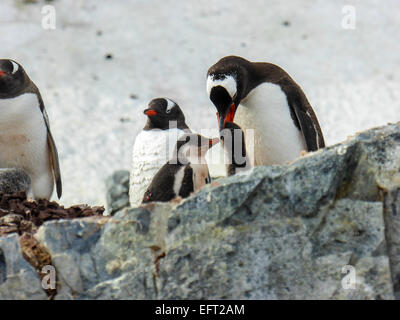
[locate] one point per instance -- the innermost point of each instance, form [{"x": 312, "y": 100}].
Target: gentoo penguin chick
[
  {"x": 155, "y": 144},
  {"x": 233, "y": 141},
  {"x": 263, "y": 97},
  {"x": 14, "y": 180},
  {"x": 185, "y": 173},
  {"x": 26, "y": 141}
]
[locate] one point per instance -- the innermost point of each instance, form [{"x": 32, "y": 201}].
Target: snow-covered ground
[{"x": 164, "y": 48}]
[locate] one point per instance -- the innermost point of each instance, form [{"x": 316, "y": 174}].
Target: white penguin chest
[
  {"x": 270, "y": 133},
  {"x": 156, "y": 146},
  {"x": 23, "y": 133},
  {"x": 152, "y": 149}
]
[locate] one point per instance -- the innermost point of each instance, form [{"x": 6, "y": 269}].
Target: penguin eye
[
  {"x": 168, "y": 111},
  {"x": 15, "y": 67}
]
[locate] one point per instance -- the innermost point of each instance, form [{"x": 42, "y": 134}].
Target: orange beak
[
  {"x": 2, "y": 73},
  {"x": 150, "y": 112}
]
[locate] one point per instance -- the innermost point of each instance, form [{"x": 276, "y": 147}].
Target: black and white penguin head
[
  {"x": 192, "y": 147},
  {"x": 13, "y": 78},
  {"x": 163, "y": 113},
  {"x": 226, "y": 85}
]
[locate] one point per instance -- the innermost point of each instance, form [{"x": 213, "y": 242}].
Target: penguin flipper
[
  {"x": 55, "y": 164},
  {"x": 187, "y": 186},
  {"x": 310, "y": 129}
]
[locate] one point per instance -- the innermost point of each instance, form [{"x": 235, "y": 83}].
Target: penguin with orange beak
[
  {"x": 262, "y": 97},
  {"x": 155, "y": 144}
]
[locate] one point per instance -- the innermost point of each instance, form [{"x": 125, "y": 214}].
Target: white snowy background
[{"x": 164, "y": 48}]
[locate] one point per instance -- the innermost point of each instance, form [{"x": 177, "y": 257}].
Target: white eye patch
[
  {"x": 229, "y": 83},
  {"x": 15, "y": 67},
  {"x": 170, "y": 105}
]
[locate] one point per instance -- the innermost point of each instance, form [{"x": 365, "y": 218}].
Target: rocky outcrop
[
  {"x": 26, "y": 267},
  {"x": 299, "y": 231}
]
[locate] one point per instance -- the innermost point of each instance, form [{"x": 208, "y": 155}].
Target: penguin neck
[
  {"x": 260, "y": 72},
  {"x": 188, "y": 158},
  {"x": 27, "y": 86}
]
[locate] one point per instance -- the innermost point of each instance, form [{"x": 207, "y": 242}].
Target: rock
[
  {"x": 279, "y": 258},
  {"x": 18, "y": 279},
  {"x": 323, "y": 227},
  {"x": 70, "y": 245},
  {"x": 109, "y": 260},
  {"x": 117, "y": 186},
  {"x": 391, "y": 196},
  {"x": 13, "y": 180}
]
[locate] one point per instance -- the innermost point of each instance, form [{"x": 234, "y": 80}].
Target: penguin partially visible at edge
[
  {"x": 26, "y": 141},
  {"x": 263, "y": 97},
  {"x": 234, "y": 144},
  {"x": 185, "y": 173},
  {"x": 155, "y": 144}
]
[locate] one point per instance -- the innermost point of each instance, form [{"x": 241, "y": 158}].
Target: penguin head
[
  {"x": 226, "y": 84},
  {"x": 193, "y": 147},
  {"x": 13, "y": 78},
  {"x": 163, "y": 113}
]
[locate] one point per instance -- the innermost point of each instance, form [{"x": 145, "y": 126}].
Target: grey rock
[
  {"x": 18, "y": 279},
  {"x": 70, "y": 244},
  {"x": 14, "y": 180},
  {"x": 297, "y": 231},
  {"x": 117, "y": 194},
  {"x": 391, "y": 197},
  {"x": 280, "y": 258}
]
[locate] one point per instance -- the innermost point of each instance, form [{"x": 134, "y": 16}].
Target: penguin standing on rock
[
  {"x": 263, "y": 97},
  {"x": 155, "y": 144},
  {"x": 185, "y": 173},
  {"x": 26, "y": 141}
]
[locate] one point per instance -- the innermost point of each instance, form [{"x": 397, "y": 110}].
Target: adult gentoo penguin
[
  {"x": 25, "y": 137},
  {"x": 155, "y": 144},
  {"x": 185, "y": 173},
  {"x": 263, "y": 97}
]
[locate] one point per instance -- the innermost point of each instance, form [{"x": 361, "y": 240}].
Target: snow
[{"x": 164, "y": 48}]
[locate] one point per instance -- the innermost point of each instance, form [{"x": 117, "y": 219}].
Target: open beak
[
  {"x": 227, "y": 117},
  {"x": 150, "y": 112}
]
